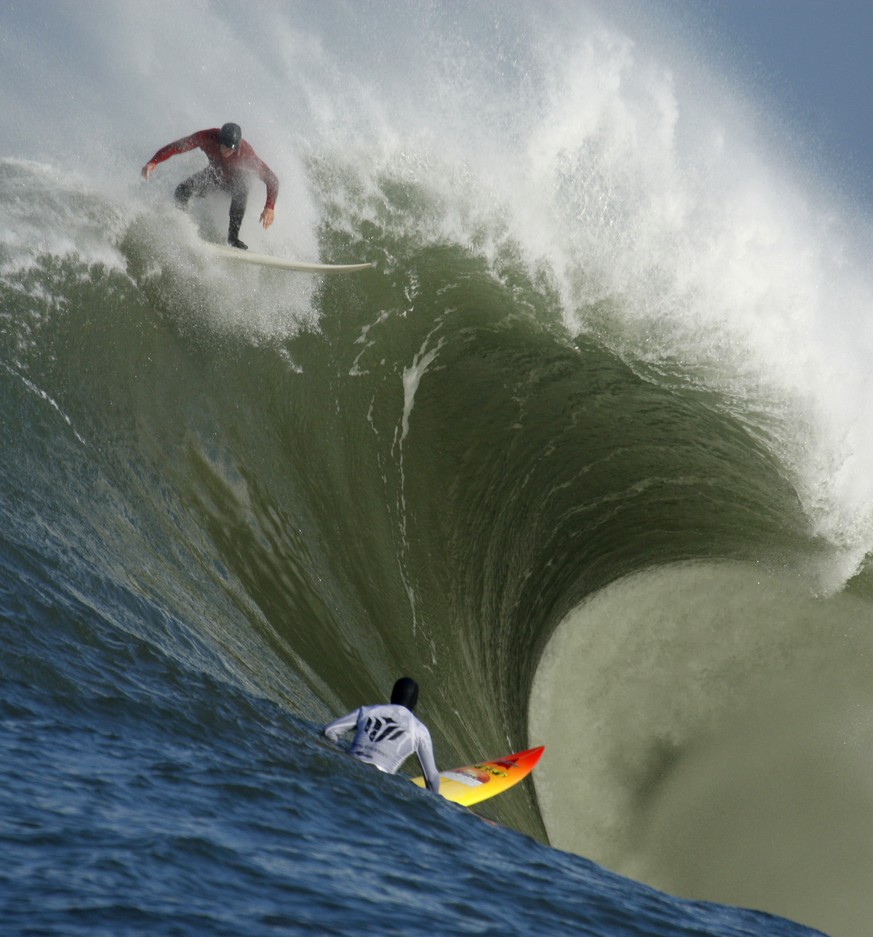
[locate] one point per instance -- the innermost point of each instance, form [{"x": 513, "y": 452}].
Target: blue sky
[{"x": 816, "y": 58}]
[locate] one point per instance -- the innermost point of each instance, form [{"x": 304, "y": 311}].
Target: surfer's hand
[
  {"x": 148, "y": 169},
  {"x": 267, "y": 217}
]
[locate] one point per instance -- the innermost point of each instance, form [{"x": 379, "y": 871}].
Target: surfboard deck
[
  {"x": 471, "y": 784},
  {"x": 267, "y": 260}
]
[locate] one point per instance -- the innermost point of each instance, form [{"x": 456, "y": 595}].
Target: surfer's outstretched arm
[{"x": 339, "y": 726}]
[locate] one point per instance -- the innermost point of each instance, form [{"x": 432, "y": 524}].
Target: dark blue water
[{"x": 552, "y": 456}]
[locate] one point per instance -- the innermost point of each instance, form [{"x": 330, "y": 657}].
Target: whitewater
[{"x": 585, "y": 453}]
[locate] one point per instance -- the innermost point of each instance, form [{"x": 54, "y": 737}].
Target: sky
[{"x": 816, "y": 58}]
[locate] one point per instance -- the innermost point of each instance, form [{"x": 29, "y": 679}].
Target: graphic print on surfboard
[
  {"x": 267, "y": 260},
  {"x": 471, "y": 784}
]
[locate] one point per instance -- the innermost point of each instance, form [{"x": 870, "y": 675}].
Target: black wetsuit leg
[
  {"x": 208, "y": 180},
  {"x": 199, "y": 184},
  {"x": 239, "y": 199}
]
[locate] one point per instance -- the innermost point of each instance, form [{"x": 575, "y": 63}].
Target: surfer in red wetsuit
[
  {"x": 386, "y": 735},
  {"x": 231, "y": 161}
]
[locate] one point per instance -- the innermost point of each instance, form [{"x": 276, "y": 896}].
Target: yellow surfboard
[{"x": 472, "y": 784}]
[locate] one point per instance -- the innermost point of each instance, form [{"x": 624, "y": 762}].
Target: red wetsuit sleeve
[
  {"x": 206, "y": 140},
  {"x": 253, "y": 163}
]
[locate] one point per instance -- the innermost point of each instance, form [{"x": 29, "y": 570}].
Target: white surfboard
[{"x": 267, "y": 260}]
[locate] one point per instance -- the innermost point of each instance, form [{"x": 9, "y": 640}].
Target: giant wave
[{"x": 585, "y": 452}]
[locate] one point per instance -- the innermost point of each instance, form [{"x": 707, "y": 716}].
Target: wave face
[{"x": 585, "y": 453}]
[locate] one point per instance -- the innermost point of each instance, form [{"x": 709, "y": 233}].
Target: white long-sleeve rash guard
[{"x": 385, "y": 736}]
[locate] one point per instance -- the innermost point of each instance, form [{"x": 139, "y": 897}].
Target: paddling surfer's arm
[
  {"x": 342, "y": 725},
  {"x": 424, "y": 750}
]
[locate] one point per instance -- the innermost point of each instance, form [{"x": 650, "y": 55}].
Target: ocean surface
[{"x": 587, "y": 453}]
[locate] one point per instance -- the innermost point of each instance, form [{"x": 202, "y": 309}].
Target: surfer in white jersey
[{"x": 387, "y": 734}]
